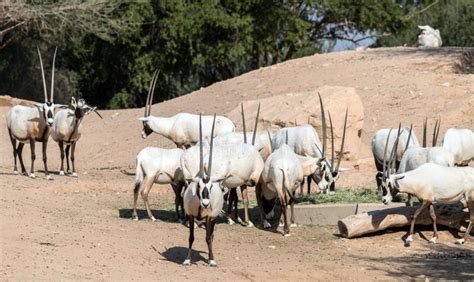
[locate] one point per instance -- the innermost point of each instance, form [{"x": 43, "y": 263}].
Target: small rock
[
  {"x": 446, "y": 84},
  {"x": 272, "y": 247}
]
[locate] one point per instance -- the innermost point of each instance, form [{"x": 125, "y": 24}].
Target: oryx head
[
  {"x": 149, "y": 101},
  {"x": 48, "y": 107},
  {"x": 82, "y": 109},
  {"x": 326, "y": 173},
  {"x": 390, "y": 183}
]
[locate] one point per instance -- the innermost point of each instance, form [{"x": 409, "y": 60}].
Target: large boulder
[{"x": 303, "y": 107}]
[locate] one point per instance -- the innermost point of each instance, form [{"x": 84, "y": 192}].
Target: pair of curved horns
[
  {"x": 255, "y": 127},
  {"x": 151, "y": 91},
  {"x": 435, "y": 132},
  {"x": 52, "y": 76}
]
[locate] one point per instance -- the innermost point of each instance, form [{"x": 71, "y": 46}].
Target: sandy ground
[{"x": 79, "y": 228}]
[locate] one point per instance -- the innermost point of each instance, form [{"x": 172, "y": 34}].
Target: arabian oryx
[
  {"x": 460, "y": 142},
  {"x": 380, "y": 140},
  {"x": 181, "y": 128},
  {"x": 414, "y": 157},
  {"x": 429, "y": 37},
  {"x": 240, "y": 165},
  {"x": 431, "y": 183},
  {"x": 281, "y": 176},
  {"x": 67, "y": 130},
  {"x": 33, "y": 124},
  {"x": 304, "y": 141},
  {"x": 161, "y": 166},
  {"x": 203, "y": 199}
]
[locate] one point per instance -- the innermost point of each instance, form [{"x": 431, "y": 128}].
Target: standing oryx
[
  {"x": 162, "y": 166},
  {"x": 460, "y": 142},
  {"x": 67, "y": 130},
  {"x": 181, "y": 128},
  {"x": 304, "y": 141},
  {"x": 430, "y": 183},
  {"x": 203, "y": 199},
  {"x": 33, "y": 124}
]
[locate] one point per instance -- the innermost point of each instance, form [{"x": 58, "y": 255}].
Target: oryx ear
[
  {"x": 60, "y": 106},
  {"x": 73, "y": 102}
]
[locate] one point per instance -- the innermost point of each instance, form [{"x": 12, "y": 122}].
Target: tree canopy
[{"x": 108, "y": 50}]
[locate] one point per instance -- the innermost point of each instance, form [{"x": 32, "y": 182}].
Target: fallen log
[{"x": 352, "y": 226}]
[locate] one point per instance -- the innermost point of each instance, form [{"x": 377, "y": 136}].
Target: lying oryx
[
  {"x": 33, "y": 124},
  {"x": 181, "y": 128},
  {"x": 67, "y": 130},
  {"x": 430, "y": 183},
  {"x": 161, "y": 166},
  {"x": 203, "y": 199},
  {"x": 460, "y": 142}
]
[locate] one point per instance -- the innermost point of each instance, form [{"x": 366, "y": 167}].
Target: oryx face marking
[
  {"x": 146, "y": 130},
  {"x": 48, "y": 112}
]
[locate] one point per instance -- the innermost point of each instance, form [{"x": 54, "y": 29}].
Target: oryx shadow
[
  {"x": 179, "y": 254},
  {"x": 162, "y": 215}
]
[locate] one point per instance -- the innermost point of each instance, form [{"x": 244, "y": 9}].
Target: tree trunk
[{"x": 352, "y": 226}]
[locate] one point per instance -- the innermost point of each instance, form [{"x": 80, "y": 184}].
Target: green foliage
[{"x": 364, "y": 195}]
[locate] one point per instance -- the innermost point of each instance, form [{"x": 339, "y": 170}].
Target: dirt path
[{"x": 79, "y": 228}]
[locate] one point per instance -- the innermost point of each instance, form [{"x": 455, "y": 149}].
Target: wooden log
[{"x": 352, "y": 226}]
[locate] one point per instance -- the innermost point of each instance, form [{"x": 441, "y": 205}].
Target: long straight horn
[
  {"x": 384, "y": 165},
  {"x": 42, "y": 74},
  {"x": 153, "y": 91},
  {"x": 332, "y": 141},
  {"x": 255, "y": 127},
  {"x": 395, "y": 150},
  {"x": 409, "y": 136},
  {"x": 323, "y": 122},
  {"x": 201, "y": 149},
  {"x": 52, "y": 76},
  {"x": 149, "y": 94},
  {"x": 341, "y": 152},
  {"x": 243, "y": 122},
  {"x": 436, "y": 132},
  {"x": 270, "y": 140},
  {"x": 425, "y": 124},
  {"x": 209, "y": 166}
]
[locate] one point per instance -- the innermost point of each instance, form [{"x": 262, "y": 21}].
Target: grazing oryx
[
  {"x": 281, "y": 176},
  {"x": 239, "y": 165},
  {"x": 431, "y": 183},
  {"x": 380, "y": 140},
  {"x": 161, "y": 166},
  {"x": 67, "y": 130},
  {"x": 30, "y": 125},
  {"x": 304, "y": 141},
  {"x": 203, "y": 199},
  {"x": 429, "y": 37},
  {"x": 460, "y": 142},
  {"x": 181, "y": 128}
]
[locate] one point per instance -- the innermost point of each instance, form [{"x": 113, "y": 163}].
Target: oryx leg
[
  {"x": 45, "y": 160},
  {"x": 308, "y": 179},
  {"x": 33, "y": 157},
  {"x": 177, "y": 196},
  {"x": 147, "y": 184},
  {"x": 410, "y": 200},
  {"x": 258, "y": 195},
  {"x": 136, "y": 189},
  {"x": 435, "y": 229},
  {"x": 470, "y": 206},
  {"x": 13, "y": 140},
  {"x": 209, "y": 238},
  {"x": 283, "y": 204},
  {"x": 73, "y": 152},
  {"x": 292, "y": 216},
  {"x": 409, "y": 239},
  {"x": 191, "y": 240},
  {"x": 245, "y": 200},
  {"x": 19, "y": 151},
  {"x": 67, "y": 158},
  {"x": 61, "y": 150}
]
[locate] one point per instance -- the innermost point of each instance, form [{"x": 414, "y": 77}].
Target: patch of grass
[{"x": 364, "y": 195}]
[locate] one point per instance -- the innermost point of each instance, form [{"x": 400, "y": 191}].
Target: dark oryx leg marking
[
  {"x": 191, "y": 237},
  {"x": 45, "y": 157},
  {"x": 210, "y": 223},
  {"x": 176, "y": 200},
  {"x": 283, "y": 203},
  {"x": 309, "y": 179},
  {"x": 433, "y": 217},
  {"x": 301, "y": 186},
  {"x": 73, "y": 152},
  {"x": 13, "y": 140},
  {"x": 292, "y": 206},
  {"x": 258, "y": 195},
  {"x": 19, "y": 151},
  {"x": 67, "y": 158},
  {"x": 245, "y": 200},
  {"x": 33, "y": 155},
  {"x": 61, "y": 150}
]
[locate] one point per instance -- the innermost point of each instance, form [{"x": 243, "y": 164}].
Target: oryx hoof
[
  {"x": 460, "y": 241},
  {"x": 187, "y": 262},
  {"x": 293, "y": 225},
  {"x": 32, "y": 176},
  {"x": 74, "y": 174},
  {"x": 267, "y": 225},
  {"x": 49, "y": 177},
  {"x": 239, "y": 220},
  {"x": 61, "y": 173},
  {"x": 230, "y": 221},
  {"x": 287, "y": 234},
  {"x": 15, "y": 172},
  {"x": 433, "y": 240},
  {"x": 153, "y": 218},
  {"x": 281, "y": 224},
  {"x": 135, "y": 218},
  {"x": 212, "y": 263},
  {"x": 408, "y": 241},
  {"x": 249, "y": 224}
]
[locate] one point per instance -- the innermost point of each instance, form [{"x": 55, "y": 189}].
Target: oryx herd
[{"x": 212, "y": 160}]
